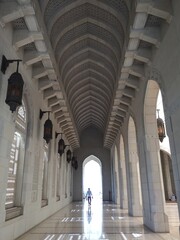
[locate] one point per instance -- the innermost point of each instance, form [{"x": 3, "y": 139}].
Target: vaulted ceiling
[{"x": 88, "y": 56}]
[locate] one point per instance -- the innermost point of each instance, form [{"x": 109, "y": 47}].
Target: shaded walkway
[{"x": 100, "y": 221}]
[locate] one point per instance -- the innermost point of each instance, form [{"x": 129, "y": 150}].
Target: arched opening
[
  {"x": 92, "y": 177},
  {"x": 154, "y": 158},
  {"x": 14, "y": 189},
  {"x": 165, "y": 155}
]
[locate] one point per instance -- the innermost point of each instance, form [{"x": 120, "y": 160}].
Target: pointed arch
[
  {"x": 14, "y": 190},
  {"x": 91, "y": 167}
]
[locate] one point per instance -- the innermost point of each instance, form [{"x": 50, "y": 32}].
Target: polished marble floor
[{"x": 79, "y": 221}]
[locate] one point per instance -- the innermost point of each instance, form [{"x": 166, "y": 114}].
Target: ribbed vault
[
  {"x": 88, "y": 39},
  {"x": 87, "y": 57}
]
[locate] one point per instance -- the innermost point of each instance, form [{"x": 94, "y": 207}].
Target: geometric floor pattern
[{"x": 105, "y": 221}]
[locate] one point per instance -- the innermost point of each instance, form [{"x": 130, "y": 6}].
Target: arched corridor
[{"x": 89, "y": 98}]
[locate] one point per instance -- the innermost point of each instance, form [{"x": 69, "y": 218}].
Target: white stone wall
[{"x": 33, "y": 213}]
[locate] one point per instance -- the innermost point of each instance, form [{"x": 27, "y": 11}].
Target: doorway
[{"x": 92, "y": 177}]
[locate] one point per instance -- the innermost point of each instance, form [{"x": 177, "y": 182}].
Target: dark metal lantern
[
  {"x": 15, "y": 84},
  {"x": 161, "y": 129},
  {"x": 61, "y": 146},
  {"x": 76, "y": 165},
  {"x": 68, "y": 155},
  {"x": 48, "y": 130},
  {"x": 73, "y": 161},
  {"x": 14, "y": 91}
]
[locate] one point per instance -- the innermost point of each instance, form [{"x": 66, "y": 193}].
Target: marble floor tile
[{"x": 78, "y": 221}]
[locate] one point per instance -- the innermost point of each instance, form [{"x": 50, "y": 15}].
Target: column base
[
  {"x": 158, "y": 223},
  {"x": 136, "y": 211}
]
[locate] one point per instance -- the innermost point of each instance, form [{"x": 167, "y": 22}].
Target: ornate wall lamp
[
  {"x": 61, "y": 144},
  {"x": 74, "y": 163},
  {"x": 15, "y": 85},
  {"x": 68, "y": 155},
  {"x": 161, "y": 128},
  {"x": 48, "y": 127}
]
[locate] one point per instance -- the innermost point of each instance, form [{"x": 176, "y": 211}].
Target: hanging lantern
[
  {"x": 68, "y": 155},
  {"x": 61, "y": 146},
  {"x": 73, "y": 161},
  {"x": 76, "y": 165},
  {"x": 15, "y": 85},
  {"x": 48, "y": 130},
  {"x": 14, "y": 91},
  {"x": 161, "y": 128}
]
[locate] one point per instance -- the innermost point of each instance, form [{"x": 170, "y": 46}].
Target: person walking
[{"x": 89, "y": 196}]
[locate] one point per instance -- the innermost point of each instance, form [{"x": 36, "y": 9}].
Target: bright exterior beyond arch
[{"x": 92, "y": 176}]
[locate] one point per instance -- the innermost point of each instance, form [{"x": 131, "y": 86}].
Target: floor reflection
[
  {"x": 93, "y": 219},
  {"x": 89, "y": 217},
  {"x": 79, "y": 221}
]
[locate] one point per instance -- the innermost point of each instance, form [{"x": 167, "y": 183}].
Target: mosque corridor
[{"x": 99, "y": 221}]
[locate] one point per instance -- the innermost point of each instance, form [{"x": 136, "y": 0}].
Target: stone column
[
  {"x": 123, "y": 177},
  {"x": 135, "y": 192},
  {"x": 174, "y": 137},
  {"x": 154, "y": 214}
]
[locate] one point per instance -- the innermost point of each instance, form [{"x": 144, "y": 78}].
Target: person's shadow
[{"x": 89, "y": 214}]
